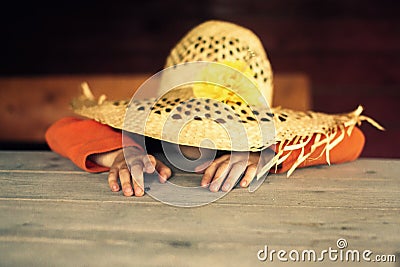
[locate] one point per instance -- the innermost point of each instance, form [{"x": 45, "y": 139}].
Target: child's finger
[
  {"x": 202, "y": 167},
  {"x": 149, "y": 163},
  {"x": 249, "y": 175},
  {"x": 219, "y": 177},
  {"x": 222, "y": 158},
  {"x": 125, "y": 179},
  {"x": 209, "y": 174},
  {"x": 234, "y": 175},
  {"x": 210, "y": 170},
  {"x": 163, "y": 171},
  {"x": 137, "y": 179},
  {"x": 113, "y": 179}
]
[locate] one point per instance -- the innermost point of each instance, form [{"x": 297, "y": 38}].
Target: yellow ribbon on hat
[{"x": 228, "y": 86}]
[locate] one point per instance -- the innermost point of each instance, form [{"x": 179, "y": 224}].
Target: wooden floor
[{"x": 53, "y": 214}]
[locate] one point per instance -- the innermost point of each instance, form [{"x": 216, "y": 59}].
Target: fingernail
[
  {"x": 214, "y": 188},
  {"x": 128, "y": 190},
  {"x": 115, "y": 187},
  {"x": 138, "y": 191},
  {"x": 243, "y": 183},
  {"x": 227, "y": 186}
]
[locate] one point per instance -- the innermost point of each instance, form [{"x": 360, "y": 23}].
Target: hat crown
[{"x": 224, "y": 42}]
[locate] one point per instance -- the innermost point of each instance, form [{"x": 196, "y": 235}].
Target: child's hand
[
  {"x": 231, "y": 167},
  {"x": 138, "y": 163}
]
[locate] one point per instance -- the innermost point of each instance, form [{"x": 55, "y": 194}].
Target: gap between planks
[
  {"x": 156, "y": 203},
  {"x": 180, "y": 174},
  {"x": 40, "y": 171}
]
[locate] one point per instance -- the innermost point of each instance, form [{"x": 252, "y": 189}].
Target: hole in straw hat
[
  {"x": 270, "y": 114},
  {"x": 281, "y": 118},
  {"x": 176, "y": 117}
]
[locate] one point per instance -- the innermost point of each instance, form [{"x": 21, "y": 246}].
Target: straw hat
[{"x": 215, "y": 114}]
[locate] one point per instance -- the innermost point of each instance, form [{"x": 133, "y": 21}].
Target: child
[{"x": 96, "y": 147}]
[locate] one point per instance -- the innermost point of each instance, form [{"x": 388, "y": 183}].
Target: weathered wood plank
[
  {"x": 52, "y": 217},
  {"x": 109, "y": 233},
  {"x": 34, "y": 161},
  {"x": 324, "y": 186}
]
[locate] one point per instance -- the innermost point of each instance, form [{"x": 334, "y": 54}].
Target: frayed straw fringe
[{"x": 328, "y": 140}]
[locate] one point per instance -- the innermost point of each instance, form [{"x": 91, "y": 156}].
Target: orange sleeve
[
  {"x": 348, "y": 149},
  {"x": 77, "y": 139}
]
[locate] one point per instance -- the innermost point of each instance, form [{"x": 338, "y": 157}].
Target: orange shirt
[
  {"x": 348, "y": 149},
  {"x": 77, "y": 139}
]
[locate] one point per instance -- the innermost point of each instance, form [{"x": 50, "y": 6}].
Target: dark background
[{"x": 350, "y": 50}]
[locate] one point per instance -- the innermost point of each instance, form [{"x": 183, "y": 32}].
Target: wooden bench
[{"x": 29, "y": 105}]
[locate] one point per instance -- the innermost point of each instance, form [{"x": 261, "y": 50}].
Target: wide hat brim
[{"x": 181, "y": 118}]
